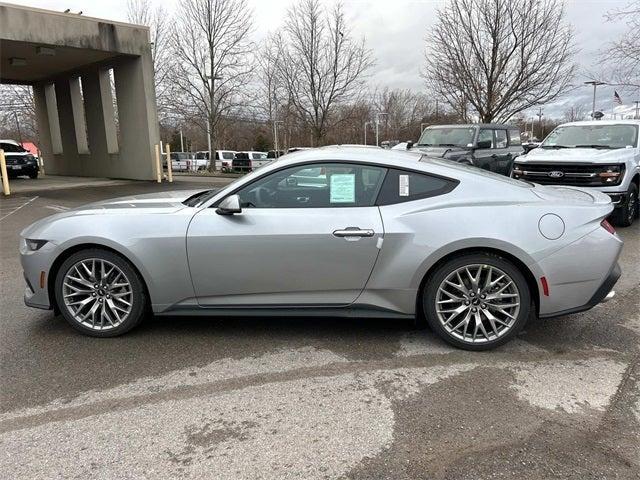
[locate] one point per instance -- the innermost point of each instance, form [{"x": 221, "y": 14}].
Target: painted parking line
[
  {"x": 18, "y": 207},
  {"x": 57, "y": 208}
]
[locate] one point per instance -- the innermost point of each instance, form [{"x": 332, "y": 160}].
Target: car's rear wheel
[
  {"x": 625, "y": 215},
  {"x": 33, "y": 175},
  {"x": 99, "y": 293},
  {"x": 477, "y": 301}
]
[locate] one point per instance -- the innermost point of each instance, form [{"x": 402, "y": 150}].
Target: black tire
[
  {"x": 432, "y": 285},
  {"x": 33, "y": 175},
  {"x": 626, "y": 215},
  {"x": 138, "y": 296}
]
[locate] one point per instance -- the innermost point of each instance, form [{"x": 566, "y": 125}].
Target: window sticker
[
  {"x": 342, "y": 188},
  {"x": 404, "y": 185}
]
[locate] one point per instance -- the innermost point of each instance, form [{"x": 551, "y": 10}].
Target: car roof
[
  {"x": 12, "y": 142},
  {"x": 475, "y": 125},
  {"x": 603, "y": 122}
]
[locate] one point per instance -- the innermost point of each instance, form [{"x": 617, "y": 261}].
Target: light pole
[
  {"x": 637, "y": 115},
  {"x": 275, "y": 136},
  {"x": 211, "y": 81},
  {"x": 365, "y": 131},
  {"x": 540, "y": 115},
  {"x": 595, "y": 84},
  {"x": 378, "y": 127}
]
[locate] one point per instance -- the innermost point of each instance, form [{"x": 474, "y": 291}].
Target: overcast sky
[{"x": 395, "y": 31}]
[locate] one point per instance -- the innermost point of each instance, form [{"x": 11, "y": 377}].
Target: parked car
[
  {"x": 486, "y": 145},
  {"x": 20, "y": 162},
  {"x": 377, "y": 233},
  {"x": 249, "y": 161},
  {"x": 181, "y": 161},
  {"x": 224, "y": 160},
  {"x": 601, "y": 155}
]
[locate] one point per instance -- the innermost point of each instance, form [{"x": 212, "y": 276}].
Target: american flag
[{"x": 616, "y": 98}]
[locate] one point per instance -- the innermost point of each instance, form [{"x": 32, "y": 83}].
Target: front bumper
[
  {"x": 33, "y": 263},
  {"x": 619, "y": 200},
  {"x": 22, "y": 169}
]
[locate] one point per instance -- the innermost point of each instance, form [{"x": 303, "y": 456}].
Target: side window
[
  {"x": 485, "y": 139},
  {"x": 514, "y": 137},
  {"x": 318, "y": 185},
  {"x": 501, "y": 139},
  {"x": 402, "y": 186}
]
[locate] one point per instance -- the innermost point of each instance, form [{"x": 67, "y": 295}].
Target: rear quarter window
[
  {"x": 402, "y": 186},
  {"x": 514, "y": 137}
]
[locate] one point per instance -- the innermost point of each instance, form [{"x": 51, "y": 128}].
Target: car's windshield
[
  {"x": 11, "y": 148},
  {"x": 592, "y": 136},
  {"x": 447, "y": 137}
]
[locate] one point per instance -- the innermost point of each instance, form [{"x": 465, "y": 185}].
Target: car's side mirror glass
[
  {"x": 484, "y": 144},
  {"x": 229, "y": 206}
]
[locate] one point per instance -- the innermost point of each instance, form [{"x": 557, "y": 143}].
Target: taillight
[{"x": 608, "y": 227}]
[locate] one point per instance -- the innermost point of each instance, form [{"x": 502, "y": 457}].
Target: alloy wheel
[
  {"x": 477, "y": 303},
  {"x": 97, "y": 293}
]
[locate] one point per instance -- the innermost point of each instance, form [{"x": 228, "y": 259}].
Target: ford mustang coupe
[{"x": 337, "y": 231}]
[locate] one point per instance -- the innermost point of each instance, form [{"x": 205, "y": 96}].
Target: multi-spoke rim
[
  {"x": 477, "y": 303},
  {"x": 97, "y": 293}
]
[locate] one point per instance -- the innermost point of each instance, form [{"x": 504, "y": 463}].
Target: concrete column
[
  {"x": 108, "y": 112},
  {"x": 78, "y": 115},
  {"x": 68, "y": 162},
  {"x": 98, "y": 164},
  {"x": 42, "y": 117},
  {"x": 52, "y": 117},
  {"x": 137, "y": 114}
]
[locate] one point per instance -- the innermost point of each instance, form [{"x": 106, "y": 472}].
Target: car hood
[
  {"x": 160, "y": 202},
  {"x": 578, "y": 155},
  {"x": 438, "y": 152}
]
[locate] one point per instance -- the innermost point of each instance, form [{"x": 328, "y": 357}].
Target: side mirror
[
  {"x": 409, "y": 145},
  {"x": 229, "y": 206},
  {"x": 484, "y": 144}
]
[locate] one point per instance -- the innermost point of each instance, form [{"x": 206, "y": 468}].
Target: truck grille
[{"x": 575, "y": 174}]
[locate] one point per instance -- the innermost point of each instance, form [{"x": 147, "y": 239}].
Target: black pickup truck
[{"x": 491, "y": 146}]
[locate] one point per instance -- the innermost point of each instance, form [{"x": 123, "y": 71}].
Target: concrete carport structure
[{"x": 70, "y": 61}]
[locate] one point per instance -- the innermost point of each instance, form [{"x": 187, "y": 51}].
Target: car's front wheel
[
  {"x": 477, "y": 301},
  {"x": 625, "y": 215},
  {"x": 99, "y": 293}
]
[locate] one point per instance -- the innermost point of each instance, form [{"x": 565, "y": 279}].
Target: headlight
[
  {"x": 34, "y": 245},
  {"x": 612, "y": 174}
]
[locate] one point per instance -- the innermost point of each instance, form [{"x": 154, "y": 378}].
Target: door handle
[
  {"x": 302, "y": 199},
  {"x": 494, "y": 156},
  {"x": 354, "y": 232}
]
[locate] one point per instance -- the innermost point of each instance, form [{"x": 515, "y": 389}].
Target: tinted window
[
  {"x": 402, "y": 186},
  {"x": 501, "y": 139},
  {"x": 227, "y": 155},
  {"x": 514, "y": 137},
  {"x": 485, "y": 139},
  {"x": 318, "y": 185}
]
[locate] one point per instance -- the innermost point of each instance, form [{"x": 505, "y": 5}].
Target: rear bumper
[{"x": 604, "y": 293}]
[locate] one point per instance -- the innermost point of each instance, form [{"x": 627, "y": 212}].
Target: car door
[
  {"x": 484, "y": 151},
  {"x": 502, "y": 156},
  {"x": 307, "y": 235}
]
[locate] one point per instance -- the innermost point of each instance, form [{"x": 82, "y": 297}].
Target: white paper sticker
[
  {"x": 342, "y": 188},
  {"x": 404, "y": 185}
]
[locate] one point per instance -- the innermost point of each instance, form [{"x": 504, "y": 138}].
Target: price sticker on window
[
  {"x": 342, "y": 188},
  {"x": 404, "y": 185}
]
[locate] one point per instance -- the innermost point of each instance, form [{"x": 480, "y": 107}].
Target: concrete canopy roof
[{"x": 36, "y": 44}]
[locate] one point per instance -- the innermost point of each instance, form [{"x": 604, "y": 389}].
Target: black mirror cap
[{"x": 410, "y": 145}]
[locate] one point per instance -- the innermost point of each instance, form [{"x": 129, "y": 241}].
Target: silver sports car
[{"x": 329, "y": 232}]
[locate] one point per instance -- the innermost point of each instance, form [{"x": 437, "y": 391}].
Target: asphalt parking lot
[{"x": 311, "y": 398}]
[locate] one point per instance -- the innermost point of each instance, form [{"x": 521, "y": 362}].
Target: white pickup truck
[{"x": 601, "y": 154}]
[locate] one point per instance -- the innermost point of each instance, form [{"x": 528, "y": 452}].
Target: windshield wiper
[
  {"x": 594, "y": 146},
  {"x": 556, "y": 146},
  {"x": 446, "y": 145},
  {"x": 422, "y": 145}
]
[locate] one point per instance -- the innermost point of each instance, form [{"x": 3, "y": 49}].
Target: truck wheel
[
  {"x": 624, "y": 216},
  {"x": 33, "y": 175}
]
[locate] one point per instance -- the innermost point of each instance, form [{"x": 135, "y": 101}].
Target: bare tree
[
  {"x": 142, "y": 12},
  {"x": 17, "y": 113},
  {"x": 499, "y": 57},
  {"x": 211, "y": 49},
  {"x": 574, "y": 113},
  {"x": 622, "y": 56},
  {"x": 322, "y": 66}
]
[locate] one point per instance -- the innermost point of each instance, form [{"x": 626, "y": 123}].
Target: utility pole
[
  {"x": 540, "y": 115},
  {"x": 637, "y": 115},
  {"x": 275, "y": 136},
  {"x": 378, "y": 127},
  {"x": 365, "y": 131},
  {"x": 595, "y": 84},
  {"x": 181, "y": 142},
  {"x": 436, "y": 109}
]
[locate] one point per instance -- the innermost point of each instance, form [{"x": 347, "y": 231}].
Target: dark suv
[
  {"x": 491, "y": 146},
  {"x": 19, "y": 161}
]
